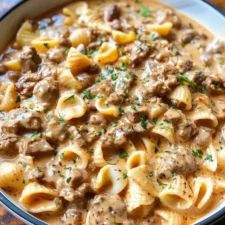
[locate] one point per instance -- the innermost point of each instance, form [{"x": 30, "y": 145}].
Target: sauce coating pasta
[{"x": 112, "y": 112}]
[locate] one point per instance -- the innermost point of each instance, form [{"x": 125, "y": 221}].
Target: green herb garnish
[
  {"x": 123, "y": 154},
  {"x": 144, "y": 122},
  {"x": 209, "y": 158},
  {"x": 125, "y": 175},
  {"x": 88, "y": 95},
  {"x": 46, "y": 45},
  {"x": 145, "y": 11},
  {"x": 71, "y": 97},
  {"x": 123, "y": 66},
  {"x": 35, "y": 134},
  {"x": 68, "y": 180},
  {"x": 197, "y": 153}
]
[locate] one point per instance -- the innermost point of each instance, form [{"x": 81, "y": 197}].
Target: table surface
[{"x": 5, "y": 216}]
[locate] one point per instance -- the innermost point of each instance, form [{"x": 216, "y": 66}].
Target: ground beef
[
  {"x": 166, "y": 15},
  {"x": 34, "y": 145},
  {"x": 86, "y": 80},
  {"x": 175, "y": 162},
  {"x": 85, "y": 135},
  {"x": 187, "y": 36},
  {"x": 111, "y": 13},
  {"x": 27, "y": 81},
  {"x": 30, "y": 60},
  {"x": 35, "y": 174},
  {"x": 72, "y": 216},
  {"x": 107, "y": 207},
  {"x": 116, "y": 98},
  {"x": 7, "y": 141},
  {"x": 47, "y": 91},
  {"x": 55, "y": 131},
  {"x": 203, "y": 138},
  {"x": 173, "y": 115},
  {"x": 13, "y": 75},
  {"x": 140, "y": 51},
  {"x": 98, "y": 119},
  {"x": 2, "y": 69},
  {"x": 22, "y": 120},
  {"x": 56, "y": 55},
  {"x": 134, "y": 115}
]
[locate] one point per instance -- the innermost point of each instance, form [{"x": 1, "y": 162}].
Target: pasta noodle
[
  {"x": 8, "y": 96},
  {"x": 37, "y": 198},
  {"x": 25, "y": 35},
  {"x": 107, "y": 53},
  {"x": 110, "y": 178},
  {"x": 70, "y": 106},
  {"x": 77, "y": 61},
  {"x": 123, "y": 38},
  {"x": 138, "y": 202}
]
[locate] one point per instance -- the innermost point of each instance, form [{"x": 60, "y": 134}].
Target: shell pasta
[{"x": 113, "y": 113}]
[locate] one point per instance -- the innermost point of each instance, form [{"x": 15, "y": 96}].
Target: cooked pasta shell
[
  {"x": 141, "y": 175},
  {"x": 80, "y": 36},
  {"x": 139, "y": 202},
  {"x": 37, "y": 198},
  {"x": 68, "y": 81},
  {"x": 70, "y": 16},
  {"x": 74, "y": 154},
  {"x": 182, "y": 97},
  {"x": 162, "y": 29},
  {"x": 107, "y": 53},
  {"x": 70, "y": 106},
  {"x": 177, "y": 194},
  {"x": 26, "y": 35},
  {"x": 11, "y": 176},
  {"x": 136, "y": 159},
  {"x": 202, "y": 190},
  {"x": 43, "y": 44},
  {"x": 13, "y": 64},
  {"x": 110, "y": 179},
  {"x": 169, "y": 217},
  {"x": 8, "y": 96},
  {"x": 205, "y": 117},
  {"x": 106, "y": 109},
  {"x": 77, "y": 61},
  {"x": 210, "y": 158},
  {"x": 98, "y": 155},
  {"x": 165, "y": 129},
  {"x": 123, "y": 38}
]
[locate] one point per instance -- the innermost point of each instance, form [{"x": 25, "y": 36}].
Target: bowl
[{"x": 201, "y": 11}]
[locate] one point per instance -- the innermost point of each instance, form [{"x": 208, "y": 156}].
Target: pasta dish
[{"x": 112, "y": 113}]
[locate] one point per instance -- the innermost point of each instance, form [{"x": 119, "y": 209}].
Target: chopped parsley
[
  {"x": 18, "y": 98},
  {"x": 222, "y": 62},
  {"x": 114, "y": 76},
  {"x": 145, "y": 11},
  {"x": 123, "y": 66},
  {"x": 35, "y": 134},
  {"x": 137, "y": 1},
  {"x": 24, "y": 181},
  {"x": 134, "y": 107},
  {"x": 114, "y": 123},
  {"x": 88, "y": 95},
  {"x": 209, "y": 158},
  {"x": 66, "y": 50},
  {"x": 71, "y": 97},
  {"x": 61, "y": 119},
  {"x": 46, "y": 45},
  {"x": 186, "y": 81},
  {"x": 61, "y": 156},
  {"x": 197, "y": 153},
  {"x": 121, "y": 110},
  {"x": 123, "y": 154},
  {"x": 144, "y": 122},
  {"x": 90, "y": 52},
  {"x": 24, "y": 165},
  {"x": 125, "y": 175},
  {"x": 68, "y": 180},
  {"x": 154, "y": 36},
  {"x": 161, "y": 184}
]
